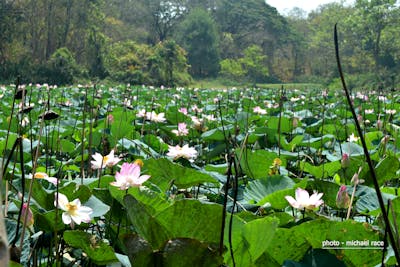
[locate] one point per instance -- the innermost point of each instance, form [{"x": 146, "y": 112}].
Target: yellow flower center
[
  {"x": 105, "y": 159},
  {"x": 40, "y": 175},
  {"x": 71, "y": 208},
  {"x": 277, "y": 162},
  {"x": 139, "y": 162}
]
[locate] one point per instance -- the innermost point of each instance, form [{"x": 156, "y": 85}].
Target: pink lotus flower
[
  {"x": 183, "y": 111},
  {"x": 304, "y": 200},
  {"x": 101, "y": 162},
  {"x": 182, "y": 130},
  {"x": 129, "y": 176},
  {"x": 186, "y": 152},
  {"x": 74, "y": 212}
]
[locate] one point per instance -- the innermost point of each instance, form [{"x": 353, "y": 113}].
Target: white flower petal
[
  {"x": 62, "y": 201},
  {"x": 76, "y": 218},
  {"x": 292, "y": 202},
  {"x": 66, "y": 218},
  {"x": 52, "y": 180}
]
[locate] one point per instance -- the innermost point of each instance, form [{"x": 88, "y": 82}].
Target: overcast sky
[{"x": 285, "y": 5}]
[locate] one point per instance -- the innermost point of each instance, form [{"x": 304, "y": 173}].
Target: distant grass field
[{"x": 222, "y": 84}]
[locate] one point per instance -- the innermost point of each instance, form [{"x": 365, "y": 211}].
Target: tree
[
  {"x": 297, "y": 43},
  {"x": 169, "y": 65},
  {"x": 8, "y": 16},
  {"x": 371, "y": 18},
  {"x": 61, "y": 68},
  {"x": 372, "y": 24},
  {"x": 128, "y": 20},
  {"x": 251, "y": 67},
  {"x": 253, "y": 22},
  {"x": 128, "y": 62},
  {"x": 163, "y": 17},
  {"x": 199, "y": 37},
  {"x": 321, "y": 50},
  {"x": 162, "y": 64}
]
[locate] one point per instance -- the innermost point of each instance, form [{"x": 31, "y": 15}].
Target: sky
[{"x": 308, "y": 5}]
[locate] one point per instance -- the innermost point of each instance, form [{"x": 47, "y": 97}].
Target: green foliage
[
  {"x": 128, "y": 62},
  {"x": 321, "y": 171},
  {"x": 97, "y": 250},
  {"x": 165, "y": 174},
  {"x": 256, "y": 164},
  {"x": 198, "y": 35},
  {"x": 251, "y": 67},
  {"x": 231, "y": 68},
  {"x": 197, "y": 221},
  {"x": 266, "y": 190},
  {"x": 251, "y": 240},
  {"x": 163, "y": 64},
  {"x": 61, "y": 68},
  {"x": 254, "y": 62},
  {"x": 169, "y": 65},
  {"x": 297, "y": 47},
  {"x": 177, "y": 215},
  {"x": 294, "y": 242},
  {"x": 185, "y": 252}
]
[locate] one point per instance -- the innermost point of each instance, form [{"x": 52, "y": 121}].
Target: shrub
[{"x": 60, "y": 69}]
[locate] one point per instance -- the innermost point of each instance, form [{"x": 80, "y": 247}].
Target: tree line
[{"x": 172, "y": 42}]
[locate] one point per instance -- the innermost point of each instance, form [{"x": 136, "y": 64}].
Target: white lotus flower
[
  {"x": 141, "y": 113},
  {"x": 304, "y": 200},
  {"x": 353, "y": 138},
  {"x": 259, "y": 110},
  {"x": 74, "y": 212},
  {"x": 100, "y": 162},
  {"x": 152, "y": 116},
  {"x": 182, "y": 130},
  {"x": 186, "y": 152},
  {"x": 45, "y": 176}
]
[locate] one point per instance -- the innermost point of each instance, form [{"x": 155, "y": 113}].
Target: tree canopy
[{"x": 122, "y": 40}]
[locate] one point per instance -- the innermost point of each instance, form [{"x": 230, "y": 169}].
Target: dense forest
[{"x": 172, "y": 42}]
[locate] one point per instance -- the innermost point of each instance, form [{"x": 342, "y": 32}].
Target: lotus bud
[
  {"x": 356, "y": 180},
  {"x": 342, "y": 198},
  {"x": 28, "y": 213},
  {"x": 295, "y": 122},
  {"x": 379, "y": 124},
  {"x": 345, "y": 162},
  {"x": 385, "y": 139}
]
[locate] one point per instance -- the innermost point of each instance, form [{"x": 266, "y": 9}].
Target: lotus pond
[{"x": 142, "y": 176}]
